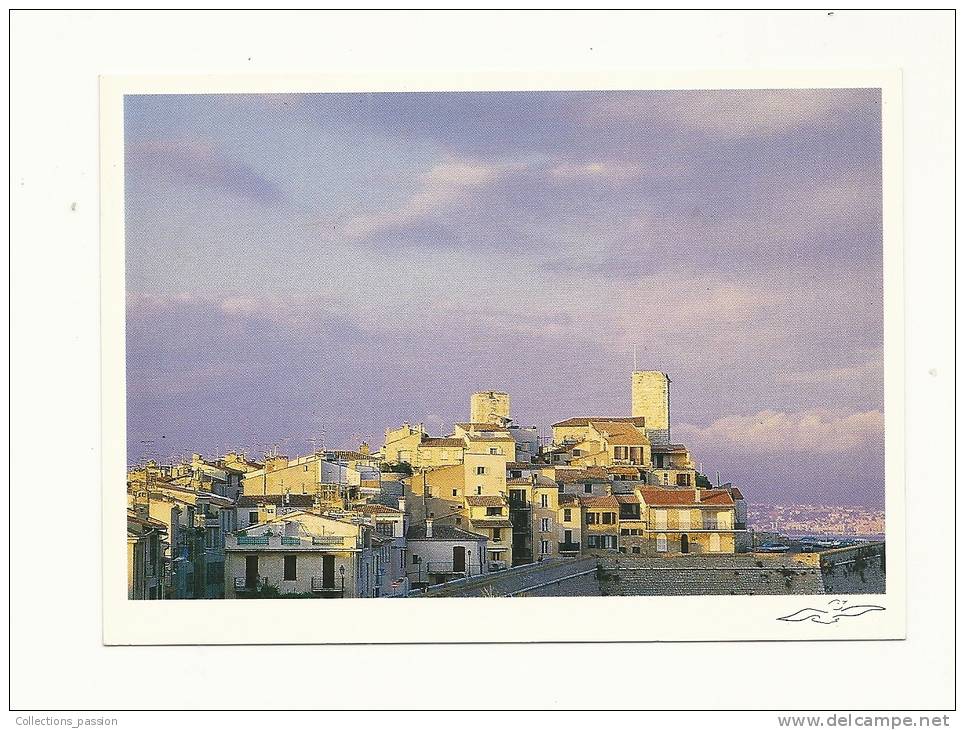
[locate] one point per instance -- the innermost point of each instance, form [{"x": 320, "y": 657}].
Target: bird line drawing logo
[{"x": 838, "y": 608}]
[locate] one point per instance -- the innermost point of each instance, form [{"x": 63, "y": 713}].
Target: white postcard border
[{"x": 475, "y": 620}]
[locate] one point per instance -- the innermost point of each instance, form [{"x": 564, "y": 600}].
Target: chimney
[
  {"x": 401, "y": 504},
  {"x": 696, "y": 494},
  {"x": 364, "y": 448},
  {"x": 428, "y": 527}
]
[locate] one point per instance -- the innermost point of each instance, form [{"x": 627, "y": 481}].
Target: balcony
[
  {"x": 569, "y": 547},
  {"x": 320, "y": 586}
]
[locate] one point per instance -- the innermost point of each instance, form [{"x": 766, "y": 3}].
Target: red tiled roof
[
  {"x": 598, "y": 502},
  {"x": 483, "y": 524},
  {"x": 443, "y": 443},
  {"x": 575, "y": 476},
  {"x": 669, "y": 448},
  {"x": 485, "y": 500},
  {"x": 626, "y": 498},
  {"x": 375, "y": 508},
  {"x": 736, "y": 493},
  {"x": 672, "y": 497},
  {"x": 568, "y": 499},
  {"x": 585, "y": 421},
  {"x": 629, "y": 470},
  {"x": 620, "y": 433}
]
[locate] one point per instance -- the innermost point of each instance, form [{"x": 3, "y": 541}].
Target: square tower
[
  {"x": 489, "y": 406},
  {"x": 650, "y": 398}
]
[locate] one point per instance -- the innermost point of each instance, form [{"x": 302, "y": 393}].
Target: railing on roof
[
  {"x": 328, "y": 539},
  {"x": 285, "y": 540},
  {"x": 253, "y": 539}
]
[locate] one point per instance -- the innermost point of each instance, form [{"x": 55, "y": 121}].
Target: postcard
[{"x": 588, "y": 358}]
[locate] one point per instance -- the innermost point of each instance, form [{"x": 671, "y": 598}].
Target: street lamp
[{"x": 341, "y": 572}]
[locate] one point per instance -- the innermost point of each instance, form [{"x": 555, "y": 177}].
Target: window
[
  {"x": 478, "y": 491},
  {"x": 544, "y": 547},
  {"x": 455, "y": 492},
  {"x": 544, "y": 524},
  {"x": 588, "y": 489},
  {"x": 291, "y": 567},
  {"x": 480, "y": 470},
  {"x": 544, "y": 500},
  {"x": 592, "y": 518},
  {"x": 661, "y": 543},
  {"x": 493, "y": 450},
  {"x": 494, "y": 511},
  {"x": 567, "y": 514},
  {"x": 385, "y": 528},
  {"x": 666, "y": 478},
  {"x": 497, "y": 534},
  {"x": 577, "y": 452},
  {"x": 252, "y": 518},
  {"x": 416, "y": 560},
  {"x": 635, "y": 550},
  {"x": 624, "y": 532},
  {"x": 459, "y": 520}
]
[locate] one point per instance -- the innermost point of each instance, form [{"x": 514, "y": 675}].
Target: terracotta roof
[
  {"x": 519, "y": 482},
  {"x": 485, "y": 500},
  {"x": 628, "y": 470},
  {"x": 481, "y": 427},
  {"x": 476, "y": 436},
  {"x": 626, "y": 498},
  {"x": 444, "y": 443},
  {"x": 351, "y": 455},
  {"x": 524, "y": 465},
  {"x": 481, "y": 524},
  {"x": 736, "y": 493},
  {"x": 568, "y": 499},
  {"x": 298, "y": 501},
  {"x": 585, "y": 421},
  {"x": 671, "y": 497},
  {"x": 576, "y": 476},
  {"x": 374, "y": 508},
  {"x": 598, "y": 502},
  {"x": 669, "y": 448},
  {"x": 620, "y": 433}
]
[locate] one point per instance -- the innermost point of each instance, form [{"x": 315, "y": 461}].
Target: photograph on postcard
[{"x": 548, "y": 343}]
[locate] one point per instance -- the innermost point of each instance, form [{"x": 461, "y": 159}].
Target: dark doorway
[
  {"x": 684, "y": 544},
  {"x": 251, "y": 572},
  {"x": 328, "y": 571},
  {"x": 459, "y": 559}
]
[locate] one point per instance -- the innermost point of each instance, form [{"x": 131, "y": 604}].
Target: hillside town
[{"x": 424, "y": 511}]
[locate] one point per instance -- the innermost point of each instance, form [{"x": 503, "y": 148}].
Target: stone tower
[
  {"x": 489, "y": 407},
  {"x": 650, "y": 398}
]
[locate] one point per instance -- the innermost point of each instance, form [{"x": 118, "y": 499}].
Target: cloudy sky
[{"x": 329, "y": 265}]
